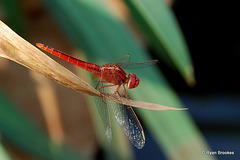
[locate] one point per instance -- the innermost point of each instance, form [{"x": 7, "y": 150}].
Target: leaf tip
[{"x": 189, "y": 77}]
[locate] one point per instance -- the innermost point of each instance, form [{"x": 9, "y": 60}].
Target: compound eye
[{"x": 133, "y": 81}]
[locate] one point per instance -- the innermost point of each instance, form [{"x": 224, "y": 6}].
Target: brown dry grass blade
[
  {"x": 139, "y": 104},
  {"x": 15, "y": 48}
]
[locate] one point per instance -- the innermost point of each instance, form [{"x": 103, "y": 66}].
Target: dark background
[{"x": 212, "y": 33}]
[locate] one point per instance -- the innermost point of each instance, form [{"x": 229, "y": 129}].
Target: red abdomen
[{"x": 93, "y": 68}]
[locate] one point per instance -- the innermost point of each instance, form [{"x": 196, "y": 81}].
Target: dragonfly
[{"x": 113, "y": 75}]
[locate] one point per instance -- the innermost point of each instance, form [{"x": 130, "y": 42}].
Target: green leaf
[
  {"x": 13, "y": 14},
  {"x": 3, "y": 153},
  {"x": 163, "y": 33},
  {"x": 21, "y": 132}
]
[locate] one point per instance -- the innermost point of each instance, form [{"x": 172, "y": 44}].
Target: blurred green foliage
[
  {"x": 19, "y": 129},
  {"x": 163, "y": 34},
  {"x": 13, "y": 15},
  {"x": 3, "y": 153}
]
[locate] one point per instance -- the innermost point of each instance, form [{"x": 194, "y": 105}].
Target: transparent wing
[
  {"x": 124, "y": 62},
  {"x": 103, "y": 111},
  {"x": 124, "y": 59},
  {"x": 130, "y": 124},
  {"x": 137, "y": 64},
  {"x": 126, "y": 118},
  {"x": 104, "y": 114}
]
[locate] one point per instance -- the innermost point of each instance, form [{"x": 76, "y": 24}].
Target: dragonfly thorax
[
  {"x": 112, "y": 73},
  {"x": 132, "y": 81}
]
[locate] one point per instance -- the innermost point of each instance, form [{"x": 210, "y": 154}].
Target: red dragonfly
[{"x": 114, "y": 75}]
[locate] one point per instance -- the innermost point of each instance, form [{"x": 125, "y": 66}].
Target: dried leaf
[
  {"x": 15, "y": 48},
  {"x": 139, "y": 104}
]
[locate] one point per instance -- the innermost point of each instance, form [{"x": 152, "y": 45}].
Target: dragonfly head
[{"x": 133, "y": 81}]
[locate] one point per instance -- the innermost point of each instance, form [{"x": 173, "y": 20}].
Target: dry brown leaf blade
[
  {"x": 140, "y": 104},
  {"x": 15, "y": 48}
]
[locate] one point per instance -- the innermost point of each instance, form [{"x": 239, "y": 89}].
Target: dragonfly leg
[
  {"x": 125, "y": 93},
  {"x": 111, "y": 85},
  {"x": 97, "y": 84},
  {"x": 117, "y": 92},
  {"x": 103, "y": 99}
]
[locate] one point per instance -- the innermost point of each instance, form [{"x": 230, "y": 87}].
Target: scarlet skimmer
[{"x": 114, "y": 75}]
